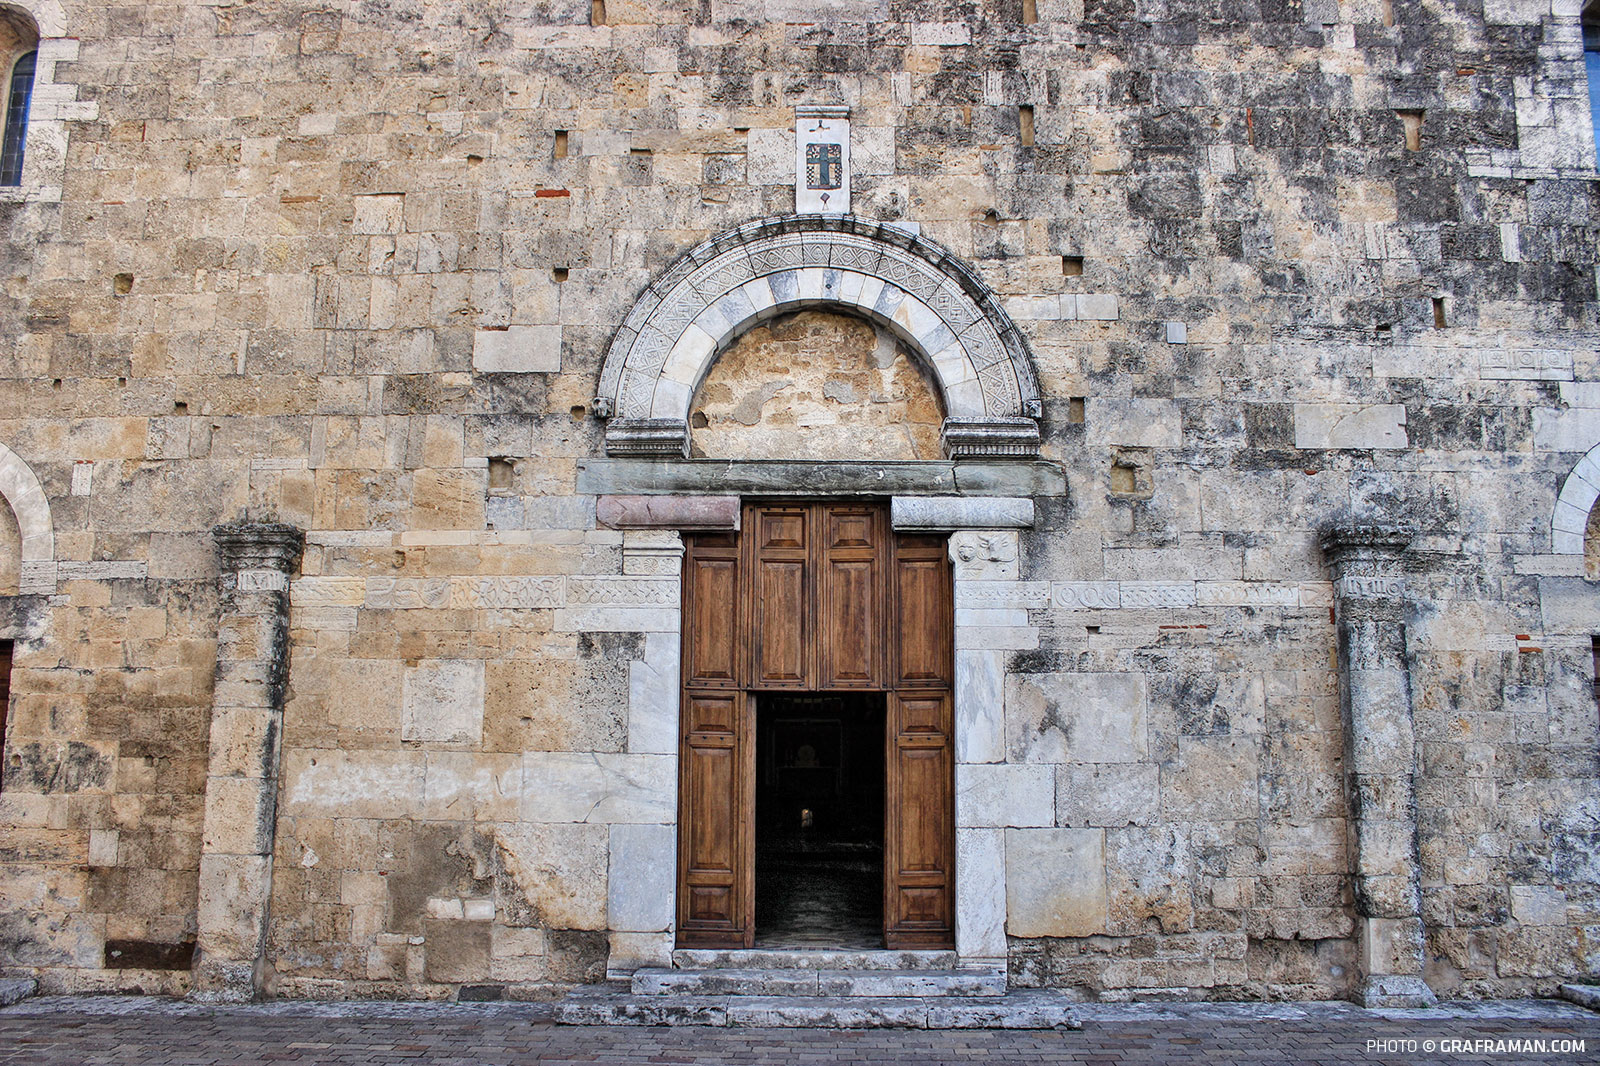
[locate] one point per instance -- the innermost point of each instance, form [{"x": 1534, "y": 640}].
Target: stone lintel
[
  {"x": 666, "y": 477},
  {"x": 258, "y": 546},
  {"x": 960, "y": 512},
  {"x": 668, "y": 512}
]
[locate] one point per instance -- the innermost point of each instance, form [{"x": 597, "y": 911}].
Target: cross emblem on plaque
[{"x": 824, "y": 166}]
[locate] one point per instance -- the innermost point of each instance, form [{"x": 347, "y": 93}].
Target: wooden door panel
[
  {"x": 919, "y": 838},
  {"x": 851, "y": 597},
  {"x": 781, "y": 527},
  {"x": 715, "y": 797},
  {"x": 850, "y": 624},
  {"x": 711, "y": 614},
  {"x": 784, "y": 626},
  {"x": 781, "y": 655},
  {"x": 923, "y": 649}
]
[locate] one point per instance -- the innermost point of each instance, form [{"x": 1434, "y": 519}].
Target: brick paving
[{"x": 113, "y": 1031}]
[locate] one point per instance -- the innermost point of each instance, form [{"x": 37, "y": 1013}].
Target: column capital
[
  {"x": 1342, "y": 544},
  {"x": 1365, "y": 561},
  {"x": 259, "y": 546}
]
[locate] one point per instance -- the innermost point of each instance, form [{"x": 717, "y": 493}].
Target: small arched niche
[{"x": 817, "y": 385}]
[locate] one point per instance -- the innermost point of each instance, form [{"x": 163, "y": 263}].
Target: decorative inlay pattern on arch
[
  {"x": 718, "y": 289},
  {"x": 1578, "y": 494},
  {"x": 23, "y": 492}
]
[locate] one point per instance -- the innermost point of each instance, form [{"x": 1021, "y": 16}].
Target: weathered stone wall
[
  {"x": 816, "y": 386},
  {"x": 331, "y": 265}
]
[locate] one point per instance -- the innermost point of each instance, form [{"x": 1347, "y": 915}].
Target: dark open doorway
[{"x": 819, "y": 820}]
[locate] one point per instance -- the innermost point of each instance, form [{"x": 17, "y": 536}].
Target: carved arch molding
[
  {"x": 719, "y": 289},
  {"x": 20, "y": 488}
]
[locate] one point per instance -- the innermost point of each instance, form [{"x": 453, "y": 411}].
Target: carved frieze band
[
  {"x": 484, "y": 593},
  {"x": 1141, "y": 595}
]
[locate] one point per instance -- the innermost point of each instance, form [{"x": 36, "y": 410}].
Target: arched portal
[{"x": 906, "y": 283}]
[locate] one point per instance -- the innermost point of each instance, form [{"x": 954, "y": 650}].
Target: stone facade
[{"x": 364, "y": 361}]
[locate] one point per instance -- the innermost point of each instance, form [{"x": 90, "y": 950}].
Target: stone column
[
  {"x": 1380, "y": 759},
  {"x": 242, "y": 778}
]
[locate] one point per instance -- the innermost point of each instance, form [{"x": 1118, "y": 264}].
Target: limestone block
[
  {"x": 1149, "y": 876},
  {"x": 517, "y": 350},
  {"x": 517, "y": 954},
  {"x": 1213, "y": 779},
  {"x": 238, "y": 816},
  {"x": 1569, "y": 605},
  {"x": 365, "y": 694},
  {"x": 631, "y": 951},
  {"x": 960, "y": 512},
  {"x": 574, "y": 787},
  {"x": 1142, "y": 423},
  {"x": 442, "y": 700},
  {"x": 979, "y": 705},
  {"x": 472, "y": 785},
  {"x": 617, "y": 620},
  {"x": 455, "y": 950},
  {"x": 561, "y": 870},
  {"x": 232, "y": 902},
  {"x": 872, "y": 149},
  {"x": 377, "y": 213},
  {"x": 1538, "y": 905},
  {"x": 1512, "y": 12},
  {"x": 354, "y": 784},
  {"x": 1087, "y": 717},
  {"x": 1107, "y": 794},
  {"x": 653, "y": 697},
  {"x": 643, "y": 878},
  {"x": 770, "y": 154},
  {"x": 980, "y": 893},
  {"x": 243, "y": 740},
  {"x": 447, "y": 499},
  {"x": 557, "y": 705},
  {"x": 1350, "y": 425},
  {"x": 990, "y": 795},
  {"x": 1055, "y": 882}
]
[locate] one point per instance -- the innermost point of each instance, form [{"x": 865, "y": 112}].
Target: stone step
[
  {"x": 875, "y": 984},
  {"x": 822, "y": 959},
  {"x": 1022, "y": 1009}
]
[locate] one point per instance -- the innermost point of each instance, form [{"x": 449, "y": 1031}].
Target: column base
[
  {"x": 223, "y": 982},
  {"x": 1393, "y": 990}
]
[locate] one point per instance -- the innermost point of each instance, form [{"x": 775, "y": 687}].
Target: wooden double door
[{"x": 815, "y": 597}]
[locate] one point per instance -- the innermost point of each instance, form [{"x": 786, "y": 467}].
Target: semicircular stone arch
[
  {"x": 20, "y": 488},
  {"x": 719, "y": 289},
  {"x": 1570, "y": 522}
]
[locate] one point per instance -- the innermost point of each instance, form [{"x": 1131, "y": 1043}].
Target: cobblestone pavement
[{"x": 125, "y": 1030}]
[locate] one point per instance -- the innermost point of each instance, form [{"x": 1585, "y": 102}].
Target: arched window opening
[{"x": 18, "y": 95}]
